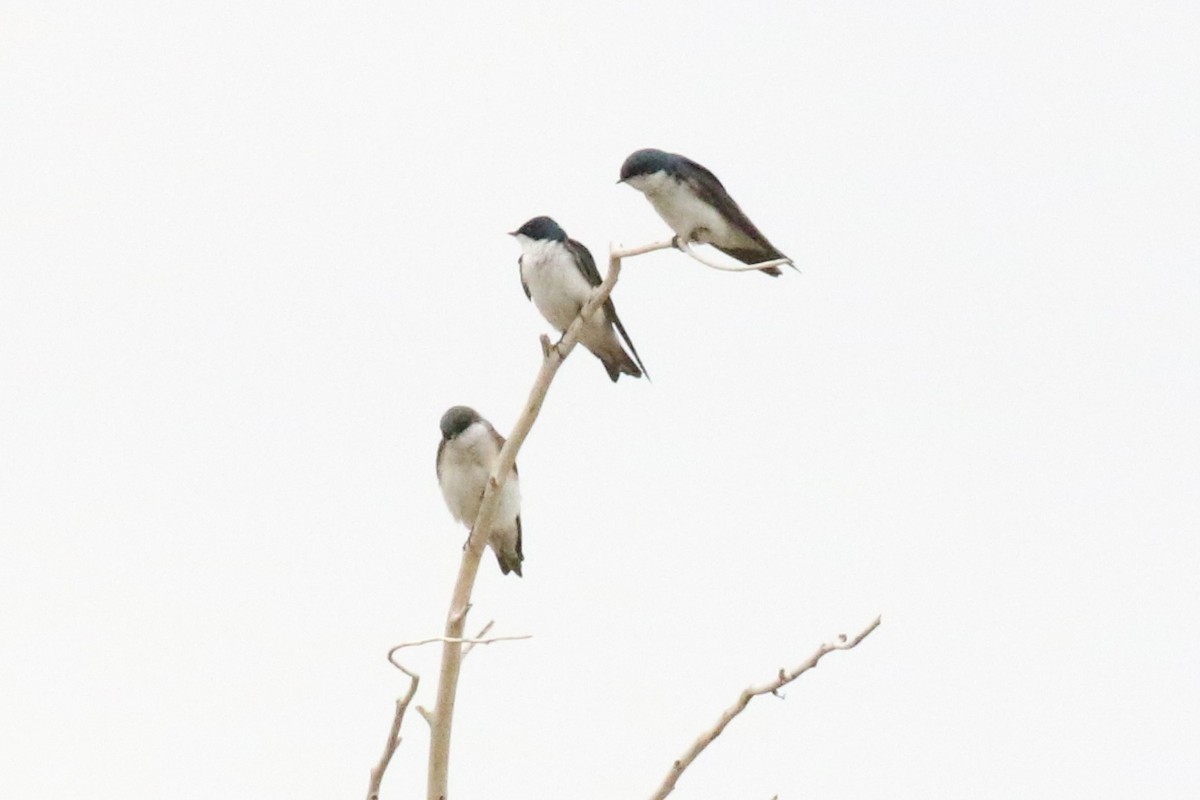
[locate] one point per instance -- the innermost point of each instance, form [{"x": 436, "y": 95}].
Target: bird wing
[
  {"x": 584, "y": 262},
  {"x": 710, "y": 189},
  {"x": 499, "y": 440},
  {"x": 524, "y": 285},
  {"x": 587, "y": 267}
]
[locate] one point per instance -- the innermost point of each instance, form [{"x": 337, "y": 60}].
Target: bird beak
[{"x": 512, "y": 233}]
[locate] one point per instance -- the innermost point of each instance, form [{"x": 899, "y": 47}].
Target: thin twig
[
  {"x": 630, "y": 252},
  {"x": 425, "y": 713},
  {"x": 687, "y": 249},
  {"x": 448, "y": 640},
  {"x": 482, "y": 633},
  {"x": 393, "y": 740},
  {"x": 785, "y": 677}
]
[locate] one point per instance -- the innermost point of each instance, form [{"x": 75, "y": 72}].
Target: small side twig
[
  {"x": 393, "y": 740},
  {"x": 628, "y": 252},
  {"x": 782, "y": 679},
  {"x": 469, "y": 642},
  {"x": 687, "y": 249},
  {"x": 479, "y": 636}
]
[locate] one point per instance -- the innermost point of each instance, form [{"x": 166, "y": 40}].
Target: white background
[{"x": 250, "y": 252}]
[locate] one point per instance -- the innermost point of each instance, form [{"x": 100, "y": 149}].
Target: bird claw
[{"x": 555, "y": 348}]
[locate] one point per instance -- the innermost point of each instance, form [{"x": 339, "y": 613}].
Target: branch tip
[
  {"x": 687, "y": 249},
  {"x": 393, "y": 740},
  {"x": 783, "y": 678}
]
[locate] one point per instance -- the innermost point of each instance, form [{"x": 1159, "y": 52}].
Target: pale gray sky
[{"x": 250, "y": 252}]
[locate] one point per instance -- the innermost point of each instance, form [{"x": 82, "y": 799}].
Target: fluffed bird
[
  {"x": 694, "y": 203},
  {"x": 465, "y": 457},
  {"x": 558, "y": 275}
]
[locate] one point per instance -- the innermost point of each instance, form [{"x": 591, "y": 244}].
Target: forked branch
[{"x": 783, "y": 679}]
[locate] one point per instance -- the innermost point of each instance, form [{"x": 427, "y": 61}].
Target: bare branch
[
  {"x": 452, "y": 649},
  {"x": 686, "y": 247},
  {"x": 393, "y": 740},
  {"x": 782, "y": 679},
  {"x": 468, "y": 642},
  {"x": 482, "y": 633},
  {"x": 629, "y": 252}
]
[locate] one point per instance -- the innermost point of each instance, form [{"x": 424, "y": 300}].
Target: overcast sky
[{"x": 250, "y": 252}]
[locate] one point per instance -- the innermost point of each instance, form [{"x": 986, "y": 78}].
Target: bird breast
[
  {"x": 682, "y": 210},
  {"x": 466, "y": 466},
  {"x": 556, "y": 285}
]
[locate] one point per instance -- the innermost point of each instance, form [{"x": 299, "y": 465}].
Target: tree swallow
[
  {"x": 465, "y": 456},
  {"x": 696, "y": 206},
  {"x": 558, "y": 275}
]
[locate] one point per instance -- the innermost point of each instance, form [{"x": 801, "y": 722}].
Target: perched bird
[
  {"x": 558, "y": 275},
  {"x": 696, "y": 206},
  {"x": 465, "y": 456}
]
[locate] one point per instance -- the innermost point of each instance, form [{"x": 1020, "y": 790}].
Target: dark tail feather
[
  {"x": 629, "y": 368},
  {"x": 617, "y": 365},
  {"x": 509, "y": 562}
]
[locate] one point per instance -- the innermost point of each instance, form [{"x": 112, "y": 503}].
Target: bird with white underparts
[
  {"x": 558, "y": 274},
  {"x": 696, "y": 206},
  {"x": 465, "y": 458}
]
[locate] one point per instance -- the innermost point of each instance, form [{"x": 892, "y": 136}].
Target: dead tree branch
[
  {"x": 785, "y": 677},
  {"x": 442, "y": 715},
  {"x": 482, "y": 633},
  {"x": 393, "y": 740},
  {"x": 687, "y": 249},
  {"x": 469, "y": 642}
]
